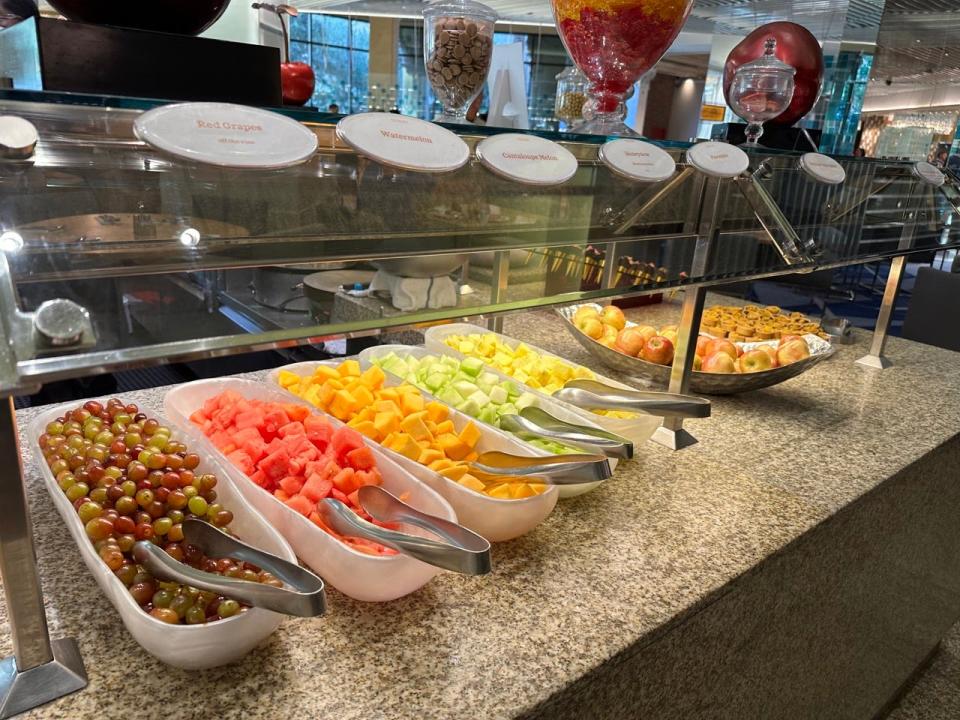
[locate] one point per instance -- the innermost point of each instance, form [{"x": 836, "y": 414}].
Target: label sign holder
[
  {"x": 527, "y": 159},
  {"x": 717, "y": 159},
  {"x": 637, "y": 160},
  {"x": 226, "y": 135},
  {"x": 822, "y": 168},
  {"x": 404, "y": 143}
]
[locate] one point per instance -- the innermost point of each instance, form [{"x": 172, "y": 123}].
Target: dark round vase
[{"x": 183, "y": 17}]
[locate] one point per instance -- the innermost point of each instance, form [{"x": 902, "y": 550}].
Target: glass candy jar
[
  {"x": 761, "y": 90},
  {"x": 457, "y": 50},
  {"x": 571, "y": 95}
]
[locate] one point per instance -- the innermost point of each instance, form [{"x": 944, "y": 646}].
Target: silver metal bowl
[
  {"x": 421, "y": 266},
  {"x": 700, "y": 382}
]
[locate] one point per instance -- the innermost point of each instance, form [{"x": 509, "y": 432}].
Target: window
[
  {"x": 544, "y": 56},
  {"x": 338, "y": 50}
]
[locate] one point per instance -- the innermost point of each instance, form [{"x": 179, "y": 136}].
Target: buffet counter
[{"x": 801, "y": 560}]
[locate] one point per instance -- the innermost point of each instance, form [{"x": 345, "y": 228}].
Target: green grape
[
  {"x": 228, "y": 608},
  {"x": 190, "y": 491},
  {"x": 67, "y": 481},
  {"x": 131, "y": 438},
  {"x": 161, "y": 526},
  {"x": 195, "y": 615},
  {"x": 113, "y": 472},
  {"x": 123, "y": 419},
  {"x": 125, "y": 542},
  {"x": 157, "y": 441},
  {"x": 180, "y": 604},
  {"x": 89, "y": 511},
  {"x": 54, "y": 428},
  {"x": 104, "y": 438},
  {"x": 162, "y": 598},
  {"x": 75, "y": 441},
  {"x": 176, "y": 516},
  {"x": 99, "y": 495},
  {"x": 77, "y": 491},
  {"x": 198, "y": 506},
  {"x": 58, "y": 466},
  {"x": 125, "y": 505},
  {"x": 126, "y": 574}
]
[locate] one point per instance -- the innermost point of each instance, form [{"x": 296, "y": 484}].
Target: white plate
[{"x": 190, "y": 647}]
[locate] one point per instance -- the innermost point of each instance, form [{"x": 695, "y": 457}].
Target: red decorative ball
[
  {"x": 797, "y": 47},
  {"x": 296, "y": 82}
]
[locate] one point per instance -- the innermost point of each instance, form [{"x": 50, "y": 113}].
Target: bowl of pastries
[{"x": 738, "y": 348}]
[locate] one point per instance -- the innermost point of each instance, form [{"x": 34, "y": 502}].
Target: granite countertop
[{"x": 615, "y": 568}]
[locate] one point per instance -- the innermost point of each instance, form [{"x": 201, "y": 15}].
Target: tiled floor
[{"x": 935, "y": 695}]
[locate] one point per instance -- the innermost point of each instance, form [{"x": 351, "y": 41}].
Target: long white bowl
[
  {"x": 638, "y": 429},
  {"x": 496, "y": 519},
  {"x": 361, "y": 576},
  {"x": 191, "y": 647},
  {"x": 558, "y": 410}
]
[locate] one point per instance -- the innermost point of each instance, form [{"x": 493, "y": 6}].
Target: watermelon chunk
[
  {"x": 275, "y": 464},
  {"x": 292, "y": 484},
  {"x": 344, "y": 440},
  {"x": 361, "y": 459},
  {"x": 242, "y": 461},
  {"x": 301, "y": 504},
  {"x": 316, "y": 488},
  {"x": 345, "y": 481}
]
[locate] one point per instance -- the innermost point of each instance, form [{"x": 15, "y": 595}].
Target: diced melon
[
  {"x": 453, "y": 447},
  {"x": 470, "y": 434},
  {"x": 414, "y": 426},
  {"x": 325, "y": 372},
  {"x": 471, "y": 482},
  {"x": 454, "y": 472},
  {"x": 437, "y": 411},
  {"x": 349, "y": 368}
]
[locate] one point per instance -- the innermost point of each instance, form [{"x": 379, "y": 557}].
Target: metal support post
[
  {"x": 875, "y": 358},
  {"x": 38, "y": 671},
  {"x": 498, "y": 290},
  {"x": 671, "y": 432},
  {"x": 611, "y": 261}
]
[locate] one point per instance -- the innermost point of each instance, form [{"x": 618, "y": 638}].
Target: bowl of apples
[{"x": 720, "y": 366}]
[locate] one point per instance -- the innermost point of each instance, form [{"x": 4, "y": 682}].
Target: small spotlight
[
  {"x": 11, "y": 241},
  {"x": 190, "y": 237}
]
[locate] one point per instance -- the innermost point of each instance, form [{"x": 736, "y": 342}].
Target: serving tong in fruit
[
  {"x": 464, "y": 551},
  {"x": 593, "y": 395},
  {"x": 551, "y": 470},
  {"x": 304, "y": 597},
  {"x": 532, "y": 422}
]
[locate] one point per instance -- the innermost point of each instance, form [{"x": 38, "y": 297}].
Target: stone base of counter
[{"x": 832, "y": 626}]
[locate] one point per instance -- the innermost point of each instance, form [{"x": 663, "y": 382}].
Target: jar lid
[
  {"x": 768, "y": 63},
  {"x": 718, "y": 159},
  {"x": 822, "y": 168},
  {"x": 928, "y": 173},
  {"x": 459, "y": 8}
]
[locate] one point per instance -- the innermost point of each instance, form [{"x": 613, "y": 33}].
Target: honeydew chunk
[
  {"x": 498, "y": 395},
  {"x": 435, "y": 381},
  {"x": 467, "y": 347},
  {"x": 489, "y": 378},
  {"x": 469, "y": 407},
  {"x": 480, "y": 398},
  {"x": 507, "y": 409},
  {"x": 488, "y": 415},
  {"x": 451, "y": 362},
  {"x": 465, "y": 387},
  {"x": 525, "y": 400},
  {"x": 471, "y": 366}
]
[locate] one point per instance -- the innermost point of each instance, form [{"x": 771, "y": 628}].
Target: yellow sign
[{"x": 712, "y": 112}]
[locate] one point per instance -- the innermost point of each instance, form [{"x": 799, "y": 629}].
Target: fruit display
[
  {"x": 608, "y": 326},
  {"x": 401, "y": 419},
  {"x": 129, "y": 480},
  {"x": 534, "y": 369},
  {"x": 298, "y": 457},
  {"x": 719, "y": 355},
  {"x": 752, "y": 323},
  {"x": 464, "y": 385}
]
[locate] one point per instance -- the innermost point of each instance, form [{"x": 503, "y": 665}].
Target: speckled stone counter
[{"x": 799, "y": 561}]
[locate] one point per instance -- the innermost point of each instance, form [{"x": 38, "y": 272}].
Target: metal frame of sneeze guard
[{"x": 876, "y": 359}]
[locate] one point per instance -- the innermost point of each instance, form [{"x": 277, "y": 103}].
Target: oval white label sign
[
  {"x": 823, "y": 168},
  {"x": 637, "y": 160},
  {"x": 528, "y": 159},
  {"x": 226, "y": 135},
  {"x": 928, "y": 173},
  {"x": 718, "y": 159},
  {"x": 403, "y": 142}
]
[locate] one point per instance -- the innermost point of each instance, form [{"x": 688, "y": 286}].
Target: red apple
[
  {"x": 647, "y": 331},
  {"x": 787, "y": 338},
  {"x": 721, "y": 345},
  {"x": 670, "y": 335},
  {"x": 609, "y": 336},
  {"x": 792, "y": 351},
  {"x": 719, "y": 362},
  {"x": 583, "y": 312},
  {"x": 797, "y": 47},
  {"x": 630, "y": 341},
  {"x": 613, "y": 316},
  {"x": 702, "y": 342},
  {"x": 658, "y": 350},
  {"x": 755, "y": 360},
  {"x": 296, "y": 82}
]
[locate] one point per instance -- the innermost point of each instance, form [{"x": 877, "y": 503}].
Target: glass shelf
[{"x": 102, "y": 218}]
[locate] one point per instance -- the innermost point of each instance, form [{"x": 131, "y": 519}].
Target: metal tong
[
  {"x": 464, "y": 552},
  {"x": 593, "y": 395},
  {"x": 552, "y": 470},
  {"x": 304, "y": 598},
  {"x": 537, "y": 423}
]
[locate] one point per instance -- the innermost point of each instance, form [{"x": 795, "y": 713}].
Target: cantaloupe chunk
[
  {"x": 386, "y": 422},
  {"x": 470, "y": 434},
  {"x": 411, "y": 402},
  {"x": 389, "y": 394},
  {"x": 452, "y": 446},
  {"x": 471, "y": 482},
  {"x": 349, "y": 368},
  {"x": 429, "y": 456},
  {"x": 325, "y": 396},
  {"x": 445, "y": 426},
  {"x": 287, "y": 378},
  {"x": 454, "y": 472},
  {"x": 367, "y": 428},
  {"x": 471, "y": 456},
  {"x": 373, "y": 377},
  {"x": 324, "y": 372},
  {"x": 441, "y": 464},
  {"x": 522, "y": 490},
  {"x": 387, "y": 406},
  {"x": 312, "y": 394},
  {"x": 342, "y": 405},
  {"x": 437, "y": 412},
  {"x": 414, "y": 426},
  {"x": 502, "y": 491},
  {"x": 363, "y": 396},
  {"x": 406, "y": 446}
]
